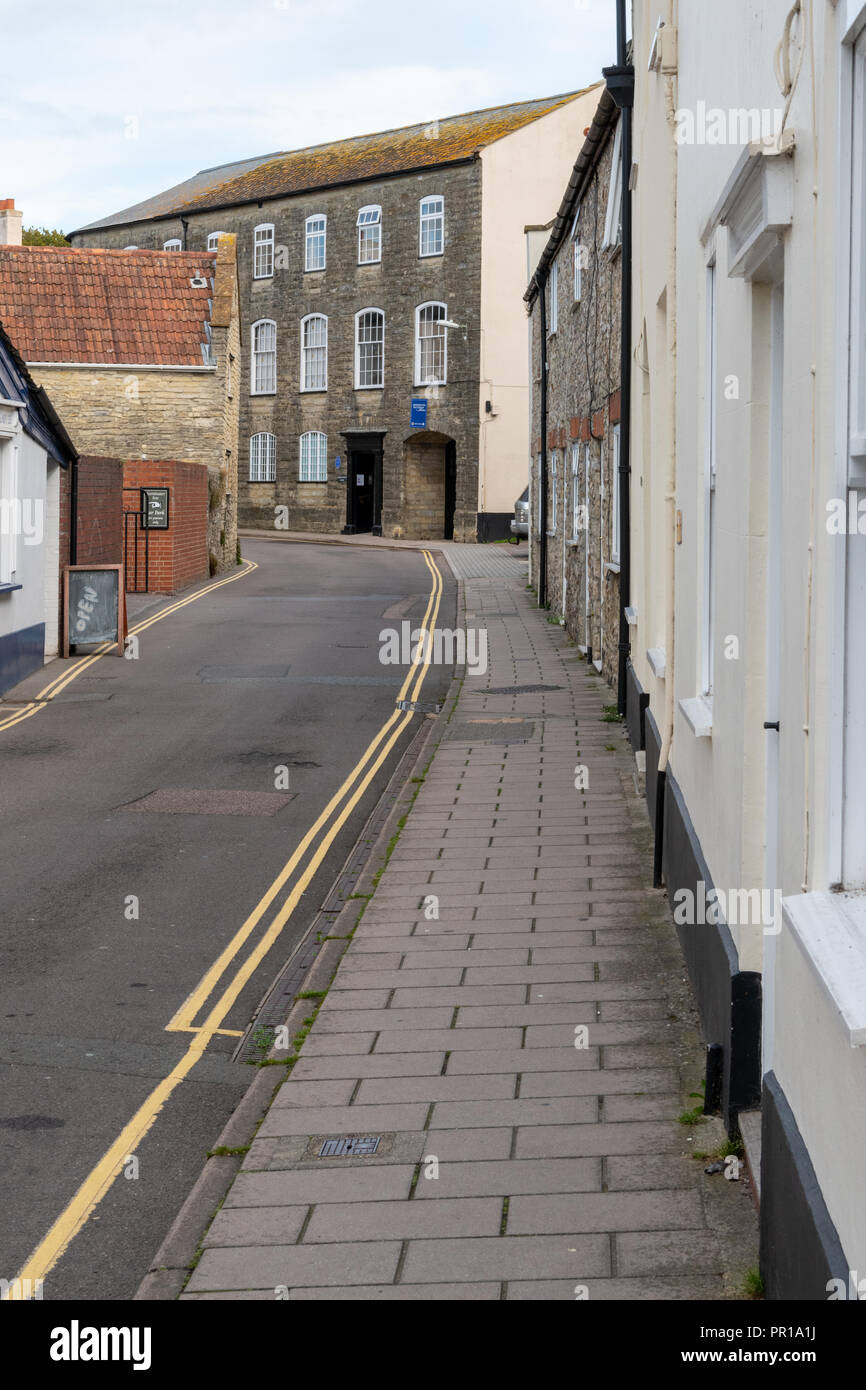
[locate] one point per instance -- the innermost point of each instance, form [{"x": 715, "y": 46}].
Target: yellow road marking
[
  {"x": 99, "y": 1180},
  {"x": 68, "y": 675},
  {"x": 191, "y": 1006}
]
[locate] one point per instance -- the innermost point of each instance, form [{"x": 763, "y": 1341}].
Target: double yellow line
[
  {"x": 70, "y": 674},
  {"x": 340, "y": 807}
]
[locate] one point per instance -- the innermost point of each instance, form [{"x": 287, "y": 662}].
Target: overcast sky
[{"x": 105, "y": 102}]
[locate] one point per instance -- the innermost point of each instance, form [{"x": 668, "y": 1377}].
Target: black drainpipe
[
  {"x": 542, "y": 503},
  {"x": 73, "y": 512},
  {"x": 184, "y": 222},
  {"x": 620, "y": 84}
]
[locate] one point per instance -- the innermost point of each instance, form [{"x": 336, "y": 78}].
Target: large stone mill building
[{"x": 384, "y": 381}]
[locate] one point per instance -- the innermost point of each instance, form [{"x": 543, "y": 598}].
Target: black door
[
  {"x": 450, "y": 489},
  {"x": 361, "y": 481}
]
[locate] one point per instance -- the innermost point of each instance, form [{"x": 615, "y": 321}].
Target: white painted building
[{"x": 748, "y": 644}]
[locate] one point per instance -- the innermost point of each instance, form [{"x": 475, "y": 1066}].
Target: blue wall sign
[{"x": 418, "y": 415}]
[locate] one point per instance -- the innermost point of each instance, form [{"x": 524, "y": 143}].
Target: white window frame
[
  {"x": 373, "y": 219},
  {"x": 368, "y": 386},
  {"x": 213, "y": 240},
  {"x": 313, "y": 234},
  {"x": 258, "y": 352},
  {"x": 130, "y": 248},
  {"x": 578, "y": 270},
  {"x": 553, "y": 299},
  {"x": 320, "y": 463},
  {"x": 431, "y": 304},
  {"x": 173, "y": 244},
  {"x": 613, "y": 218},
  {"x": 312, "y": 348},
  {"x": 263, "y": 457},
  {"x": 425, "y": 220},
  {"x": 615, "y": 537},
  {"x": 710, "y": 529},
  {"x": 263, "y": 265},
  {"x": 11, "y": 512},
  {"x": 575, "y": 492},
  {"x": 554, "y": 500}
]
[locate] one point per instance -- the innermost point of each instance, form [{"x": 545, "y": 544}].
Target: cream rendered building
[{"x": 748, "y": 646}]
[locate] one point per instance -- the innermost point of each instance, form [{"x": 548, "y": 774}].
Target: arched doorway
[{"x": 429, "y": 491}]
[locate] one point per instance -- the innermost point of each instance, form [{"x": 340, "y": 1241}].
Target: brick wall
[
  {"x": 396, "y": 285},
  {"x": 179, "y": 556}
]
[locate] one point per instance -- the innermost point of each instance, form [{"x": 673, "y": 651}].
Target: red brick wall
[
  {"x": 177, "y": 557},
  {"x": 100, "y": 523}
]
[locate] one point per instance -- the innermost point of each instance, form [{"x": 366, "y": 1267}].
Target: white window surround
[
  {"x": 698, "y": 714},
  {"x": 368, "y": 361},
  {"x": 313, "y": 457},
  {"x": 314, "y": 352},
  {"x": 631, "y": 617},
  {"x": 708, "y": 623},
  {"x": 315, "y": 242},
  {"x": 614, "y": 501},
  {"x": 613, "y": 217},
  {"x": 578, "y": 271},
  {"x": 213, "y": 240},
  {"x": 263, "y": 458},
  {"x": 431, "y": 225},
  {"x": 263, "y": 251},
  {"x": 657, "y": 658},
  {"x": 369, "y": 224},
  {"x": 554, "y": 478},
  {"x": 173, "y": 245},
  {"x": 576, "y": 515},
  {"x": 756, "y": 205},
  {"x": 553, "y": 300},
  {"x": 10, "y": 494},
  {"x": 830, "y": 929},
  {"x": 431, "y": 361},
  {"x": 263, "y": 360}
]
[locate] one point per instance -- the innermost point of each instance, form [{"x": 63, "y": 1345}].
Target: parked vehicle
[{"x": 520, "y": 524}]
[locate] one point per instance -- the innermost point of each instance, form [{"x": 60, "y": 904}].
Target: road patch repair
[{"x": 483, "y": 1090}]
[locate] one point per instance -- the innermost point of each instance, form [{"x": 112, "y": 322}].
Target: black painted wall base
[
  {"x": 494, "y": 526},
  {"x": 800, "y": 1247},
  {"x": 20, "y": 653}
]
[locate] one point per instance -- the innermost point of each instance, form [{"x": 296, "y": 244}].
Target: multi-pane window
[
  {"x": 263, "y": 371},
  {"x": 314, "y": 458},
  {"x": 369, "y": 235},
  {"x": 554, "y": 488},
  {"x": 315, "y": 236},
  {"x": 614, "y": 500},
  {"x": 578, "y": 270},
  {"x": 576, "y": 513},
  {"x": 431, "y": 345},
  {"x": 432, "y": 225},
  {"x": 263, "y": 251},
  {"x": 173, "y": 245},
  {"x": 553, "y": 299},
  {"x": 369, "y": 348},
  {"x": 613, "y": 219},
  {"x": 213, "y": 240},
  {"x": 709, "y": 604},
  {"x": 314, "y": 353},
  {"x": 263, "y": 458}
]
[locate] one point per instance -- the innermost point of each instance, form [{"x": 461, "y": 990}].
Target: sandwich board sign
[{"x": 94, "y": 606}]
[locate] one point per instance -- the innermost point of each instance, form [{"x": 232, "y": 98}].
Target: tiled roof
[
  {"x": 343, "y": 161},
  {"x": 60, "y": 304}
]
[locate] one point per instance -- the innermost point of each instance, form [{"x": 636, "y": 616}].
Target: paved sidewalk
[{"x": 519, "y": 1056}]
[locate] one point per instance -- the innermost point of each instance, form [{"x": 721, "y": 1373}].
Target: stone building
[
  {"x": 383, "y": 385},
  {"x": 141, "y": 353},
  {"x": 574, "y": 301}
]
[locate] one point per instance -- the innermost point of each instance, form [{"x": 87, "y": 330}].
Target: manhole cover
[
  {"x": 492, "y": 731},
  {"x": 185, "y": 801},
  {"x": 350, "y": 1145}
]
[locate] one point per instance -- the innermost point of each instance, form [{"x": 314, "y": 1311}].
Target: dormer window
[
  {"x": 173, "y": 245},
  {"x": 369, "y": 235},
  {"x": 213, "y": 240}
]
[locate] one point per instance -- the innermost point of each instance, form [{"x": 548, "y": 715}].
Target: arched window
[
  {"x": 173, "y": 245},
  {"x": 213, "y": 240},
  {"x": 315, "y": 236},
  {"x": 263, "y": 458},
  {"x": 369, "y": 235},
  {"x": 314, "y": 458},
  {"x": 432, "y": 229},
  {"x": 369, "y": 349},
  {"x": 431, "y": 345},
  {"x": 263, "y": 369},
  {"x": 263, "y": 251},
  {"x": 314, "y": 353}
]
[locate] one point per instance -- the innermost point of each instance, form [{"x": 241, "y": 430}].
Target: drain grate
[
  {"x": 419, "y": 706},
  {"x": 179, "y": 801},
  {"x": 350, "y": 1146},
  {"x": 517, "y": 690}
]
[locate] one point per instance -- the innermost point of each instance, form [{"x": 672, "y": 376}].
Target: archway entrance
[{"x": 429, "y": 486}]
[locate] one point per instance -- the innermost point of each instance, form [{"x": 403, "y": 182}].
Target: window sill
[
  {"x": 313, "y": 482},
  {"x": 657, "y": 658},
  {"x": 315, "y": 269},
  {"x": 258, "y": 279},
  {"x": 10, "y": 588},
  {"x": 698, "y": 714},
  {"x": 612, "y": 566},
  {"x": 312, "y": 391},
  {"x": 830, "y": 929},
  {"x": 263, "y": 393},
  {"x": 361, "y": 264},
  {"x": 429, "y": 385},
  {"x": 631, "y": 617},
  {"x": 261, "y": 482},
  {"x": 371, "y": 388},
  {"x": 550, "y": 534}
]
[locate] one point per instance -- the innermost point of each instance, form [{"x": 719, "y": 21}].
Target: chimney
[{"x": 10, "y": 223}]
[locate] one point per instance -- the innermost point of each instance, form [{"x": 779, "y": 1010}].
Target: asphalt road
[{"x": 280, "y": 668}]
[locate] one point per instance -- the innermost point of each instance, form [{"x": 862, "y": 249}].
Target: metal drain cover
[
  {"x": 517, "y": 690},
  {"x": 185, "y": 801},
  {"x": 350, "y": 1145}
]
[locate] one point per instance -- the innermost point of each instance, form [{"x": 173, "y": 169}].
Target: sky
[{"x": 106, "y": 102}]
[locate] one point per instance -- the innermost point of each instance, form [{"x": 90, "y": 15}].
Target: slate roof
[
  {"x": 38, "y": 418},
  {"x": 424, "y": 146},
  {"x": 61, "y": 304}
]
